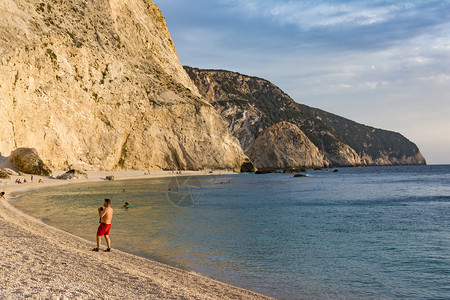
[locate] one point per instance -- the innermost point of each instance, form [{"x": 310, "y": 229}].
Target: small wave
[{"x": 196, "y": 273}]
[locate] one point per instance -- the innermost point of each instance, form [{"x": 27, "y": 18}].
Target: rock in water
[
  {"x": 294, "y": 170},
  {"x": 266, "y": 171},
  {"x": 100, "y": 83},
  {"x": 248, "y": 167},
  {"x": 284, "y": 146},
  {"x": 300, "y": 175},
  {"x": 27, "y": 160}
]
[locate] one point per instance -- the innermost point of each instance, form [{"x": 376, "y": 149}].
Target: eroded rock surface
[
  {"x": 4, "y": 174},
  {"x": 283, "y": 146},
  {"x": 27, "y": 160},
  {"x": 99, "y": 83},
  {"x": 73, "y": 174},
  {"x": 251, "y": 105}
]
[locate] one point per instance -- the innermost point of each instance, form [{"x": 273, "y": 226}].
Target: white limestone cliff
[{"x": 99, "y": 83}]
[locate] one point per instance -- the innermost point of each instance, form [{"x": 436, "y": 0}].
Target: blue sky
[{"x": 381, "y": 63}]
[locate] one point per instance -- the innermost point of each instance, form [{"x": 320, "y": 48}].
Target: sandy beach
[{"x": 38, "y": 261}]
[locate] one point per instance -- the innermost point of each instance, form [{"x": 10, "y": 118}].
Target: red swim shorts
[{"x": 103, "y": 229}]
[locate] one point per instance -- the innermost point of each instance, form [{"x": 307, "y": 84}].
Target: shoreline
[{"x": 40, "y": 261}]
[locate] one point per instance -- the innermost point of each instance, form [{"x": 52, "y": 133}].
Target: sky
[{"x": 381, "y": 63}]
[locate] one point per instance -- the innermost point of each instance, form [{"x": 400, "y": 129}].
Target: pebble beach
[{"x": 38, "y": 261}]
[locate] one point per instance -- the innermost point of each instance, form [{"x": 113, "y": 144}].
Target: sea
[{"x": 354, "y": 233}]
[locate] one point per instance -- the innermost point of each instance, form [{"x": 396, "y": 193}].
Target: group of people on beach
[{"x": 18, "y": 181}]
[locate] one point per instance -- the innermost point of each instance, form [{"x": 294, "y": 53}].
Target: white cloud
[
  {"x": 419, "y": 60},
  {"x": 310, "y": 14},
  {"x": 441, "y": 43},
  {"x": 441, "y": 79}
]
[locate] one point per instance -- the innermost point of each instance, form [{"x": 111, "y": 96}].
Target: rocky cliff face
[
  {"x": 99, "y": 83},
  {"x": 251, "y": 105},
  {"x": 283, "y": 146}
]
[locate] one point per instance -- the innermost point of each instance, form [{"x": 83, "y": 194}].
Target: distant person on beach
[
  {"x": 126, "y": 205},
  {"x": 105, "y": 215},
  {"x": 2, "y": 195},
  {"x": 40, "y": 181}
]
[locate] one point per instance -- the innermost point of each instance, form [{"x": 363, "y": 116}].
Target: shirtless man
[{"x": 105, "y": 215}]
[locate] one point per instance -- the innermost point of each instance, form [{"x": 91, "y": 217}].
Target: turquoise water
[{"x": 361, "y": 233}]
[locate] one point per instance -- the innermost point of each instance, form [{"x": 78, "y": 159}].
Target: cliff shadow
[{"x": 4, "y": 162}]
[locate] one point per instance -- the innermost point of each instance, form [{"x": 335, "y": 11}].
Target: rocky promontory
[
  {"x": 283, "y": 146},
  {"x": 252, "y": 105}
]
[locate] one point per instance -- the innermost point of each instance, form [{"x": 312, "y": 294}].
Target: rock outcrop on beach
[
  {"x": 4, "y": 174},
  {"x": 99, "y": 83},
  {"x": 72, "y": 174},
  {"x": 248, "y": 167},
  {"x": 27, "y": 160},
  {"x": 251, "y": 105}
]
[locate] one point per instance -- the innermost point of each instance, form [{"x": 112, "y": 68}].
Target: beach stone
[
  {"x": 27, "y": 160},
  {"x": 109, "y": 178},
  {"x": 71, "y": 174},
  {"x": 4, "y": 174},
  {"x": 11, "y": 172}
]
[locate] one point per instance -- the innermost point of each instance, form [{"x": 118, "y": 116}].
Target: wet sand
[{"x": 38, "y": 261}]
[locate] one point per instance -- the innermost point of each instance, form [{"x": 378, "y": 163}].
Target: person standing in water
[{"x": 105, "y": 215}]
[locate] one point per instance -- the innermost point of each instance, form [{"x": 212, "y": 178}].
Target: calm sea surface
[{"x": 360, "y": 233}]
